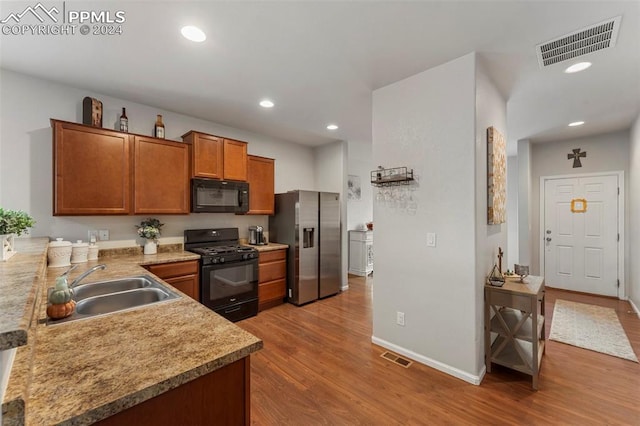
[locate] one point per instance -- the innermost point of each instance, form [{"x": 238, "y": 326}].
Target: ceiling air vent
[{"x": 581, "y": 42}]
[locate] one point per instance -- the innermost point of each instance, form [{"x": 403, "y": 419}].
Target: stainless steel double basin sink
[{"x": 105, "y": 297}]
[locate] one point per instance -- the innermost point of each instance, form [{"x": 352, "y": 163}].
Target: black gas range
[{"x": 228, "y": 272}]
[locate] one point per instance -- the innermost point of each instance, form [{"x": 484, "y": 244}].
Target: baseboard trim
[
  {"x": 445, "y": 368},
  {"x": 634, "y": 307}
]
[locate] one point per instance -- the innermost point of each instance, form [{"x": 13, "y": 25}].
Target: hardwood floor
[{"x": 318, "y": 366}]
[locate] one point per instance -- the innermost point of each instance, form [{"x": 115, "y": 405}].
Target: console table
[{"x": 515, "y": 335}]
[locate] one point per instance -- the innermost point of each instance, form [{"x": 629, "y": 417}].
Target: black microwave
[{"x": 219, "y": 196}]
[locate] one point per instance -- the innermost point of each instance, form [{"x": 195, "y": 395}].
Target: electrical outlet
[
  {"x": 400, "y": 318},
  {"x": 93, "y": 233},
  {"x": 103, "y": 234},
  {"x": 431, "y": 239}
]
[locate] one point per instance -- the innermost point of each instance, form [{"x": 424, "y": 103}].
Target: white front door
[{"x": 581, "y": 248}]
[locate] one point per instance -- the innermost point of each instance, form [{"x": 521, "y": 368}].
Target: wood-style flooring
[{"x": 318, "y": 366}]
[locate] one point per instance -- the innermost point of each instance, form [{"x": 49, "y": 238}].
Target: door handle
[{"x": 548, "y": 239}]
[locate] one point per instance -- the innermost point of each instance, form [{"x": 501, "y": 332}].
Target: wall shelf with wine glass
[{"x": 391, "y": 177}]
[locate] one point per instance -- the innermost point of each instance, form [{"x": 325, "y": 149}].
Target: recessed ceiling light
[
  {"x": 266, "y": 103},
  {"x": 576, "y": 123},
  {"x": 580, "y": 66},
  {"x": 332, "y": 127},
  {"x": 193, "y": 33}
]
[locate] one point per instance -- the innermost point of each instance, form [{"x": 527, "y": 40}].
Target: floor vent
[
  {"x": 581, "y": 42},
  {"x": 397, "y": 359}
]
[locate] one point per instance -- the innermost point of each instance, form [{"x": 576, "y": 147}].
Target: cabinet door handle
[{"x": 228, "y": 311}]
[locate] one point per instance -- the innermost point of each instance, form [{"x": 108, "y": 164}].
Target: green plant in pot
[
  {"x": 150, "y": 230},
  {"x": 12, "y": 223}
]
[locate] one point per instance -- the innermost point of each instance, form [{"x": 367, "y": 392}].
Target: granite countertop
[
  {"x": 269, "y": 247},
  {"x": 82, "y": 371},
  {"x": 19, "y": 282}
]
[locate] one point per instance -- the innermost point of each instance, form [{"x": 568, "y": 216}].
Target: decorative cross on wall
[{"x": 576, "y": 157}]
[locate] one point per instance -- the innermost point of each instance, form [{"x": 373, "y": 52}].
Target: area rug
[{"x": 590, "y": 327}]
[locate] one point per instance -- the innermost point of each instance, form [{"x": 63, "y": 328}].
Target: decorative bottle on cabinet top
[
  {"x": 124, "y": 121},
  {"x": 158, "y": 129}
]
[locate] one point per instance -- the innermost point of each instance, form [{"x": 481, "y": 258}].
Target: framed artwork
[
  {"x": 354, "y": 190},
  {"x": 496, "y": 177}
]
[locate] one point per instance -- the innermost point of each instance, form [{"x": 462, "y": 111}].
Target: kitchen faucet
[{"x": 75, "y": 282}]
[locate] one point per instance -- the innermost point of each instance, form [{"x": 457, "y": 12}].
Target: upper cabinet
[
  {"x": 92, "y": 170},
  {"x": 206, "y": 155},
  {"x": 103, "y": 172},
  {"x": 261, "y": 172},
  {"x": 217, "y": 158},
  {"x": 235, "y": 160},
  {"x": 161, "y": 178}
]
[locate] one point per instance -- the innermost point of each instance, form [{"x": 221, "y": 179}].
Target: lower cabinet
[
  {"x": 360, "y": 253},
  {"x": 272, "y": 278},
  {"x": 218, "y": 398},
  {"x": 182, "y": 275}
]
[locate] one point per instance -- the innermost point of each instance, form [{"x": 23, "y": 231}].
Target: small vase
[
  {"x": 8, "y": 248},
  {"x": 150, "y": 247}
]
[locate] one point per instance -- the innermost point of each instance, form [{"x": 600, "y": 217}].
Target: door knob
[
  {"x": 548, "y": 231},
  {"x": 548, "y": 239}
]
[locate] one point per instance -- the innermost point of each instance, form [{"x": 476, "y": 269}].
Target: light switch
[{"x": 431, "y": 239}]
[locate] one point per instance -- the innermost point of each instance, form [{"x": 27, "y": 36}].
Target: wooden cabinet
[
  {"x": 182, "y": 275},
  {"x": 517, "y": 325},
  {"x": 260, "y": 176},
  {"x": 217, "y": 158},
  {"x": 272, "y": 281},
  {"x": 360, "y": 253},
  {"x": 104, "y": 172},
  {"x": 92, "y": 170},
  {"x": 221, "y": 397},
  {"x": 235, "y": 160},
  {"x": 206, "y": 155},
  {"x": 161, "y": 179}
]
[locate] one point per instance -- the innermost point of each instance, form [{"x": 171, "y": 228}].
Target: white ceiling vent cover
[{"x": 581, "y": 42}]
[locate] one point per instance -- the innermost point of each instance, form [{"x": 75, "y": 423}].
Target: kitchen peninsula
[{"x": 125, "y": 366}]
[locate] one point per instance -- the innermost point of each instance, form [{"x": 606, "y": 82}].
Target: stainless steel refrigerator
[{"x": 309, "y": 222}]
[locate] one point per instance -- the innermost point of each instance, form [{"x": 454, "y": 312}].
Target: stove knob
[
  {"x": 214, "y": 260},
  {"x": 245, "y": 256},
  {"x": 252, "y": 255},
  {"x": 222, "y": 260}
]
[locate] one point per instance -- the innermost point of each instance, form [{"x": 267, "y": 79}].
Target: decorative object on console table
[
  {"x": 496, "y": 177},
  {"x": 124, "y": 121},
  {"x": 158, "y": 128},
  {"x": 150, "y": 230},
  {"x": 12, "y": 223},
  {"x": 92, "y": 112},
  {"x": 522, "y": 271}
]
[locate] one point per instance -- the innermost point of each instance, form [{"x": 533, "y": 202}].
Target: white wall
[
  {"x": 360, "y": 164},
  {"x": 524, "y": 202},
  {"x": 491, "y": 110},
  {"x": 26, "y": 104},
  {"x": 634, "y": 216},
  {"x": 427, "y": 122},
  {"x": 513, "y": 244},
  {"x": 606, "y": 152}
]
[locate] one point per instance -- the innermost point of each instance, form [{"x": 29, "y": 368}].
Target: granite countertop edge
[
  {"x": 268, "y": 247},
  {"x": 28, "y": 364},
  {"x": 131, "y": 400}
]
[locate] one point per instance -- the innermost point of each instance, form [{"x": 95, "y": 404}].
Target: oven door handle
[{"x": 228, "y": 311}]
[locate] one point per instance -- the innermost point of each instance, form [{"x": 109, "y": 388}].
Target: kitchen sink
[
  {"x": 84, "y": 291},
  {"x": 107, "y": 303},
  {"x": 106, "y": 297}
]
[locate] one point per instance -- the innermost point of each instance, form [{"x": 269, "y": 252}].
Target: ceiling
[{"x": 320, "y": 61}]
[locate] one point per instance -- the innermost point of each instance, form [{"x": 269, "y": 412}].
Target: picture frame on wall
[{"x": 496, "y": 177}]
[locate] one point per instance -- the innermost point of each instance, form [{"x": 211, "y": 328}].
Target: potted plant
[
  {"x": 149, "y": 229},
  {"x": 12, "y": 223}
]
